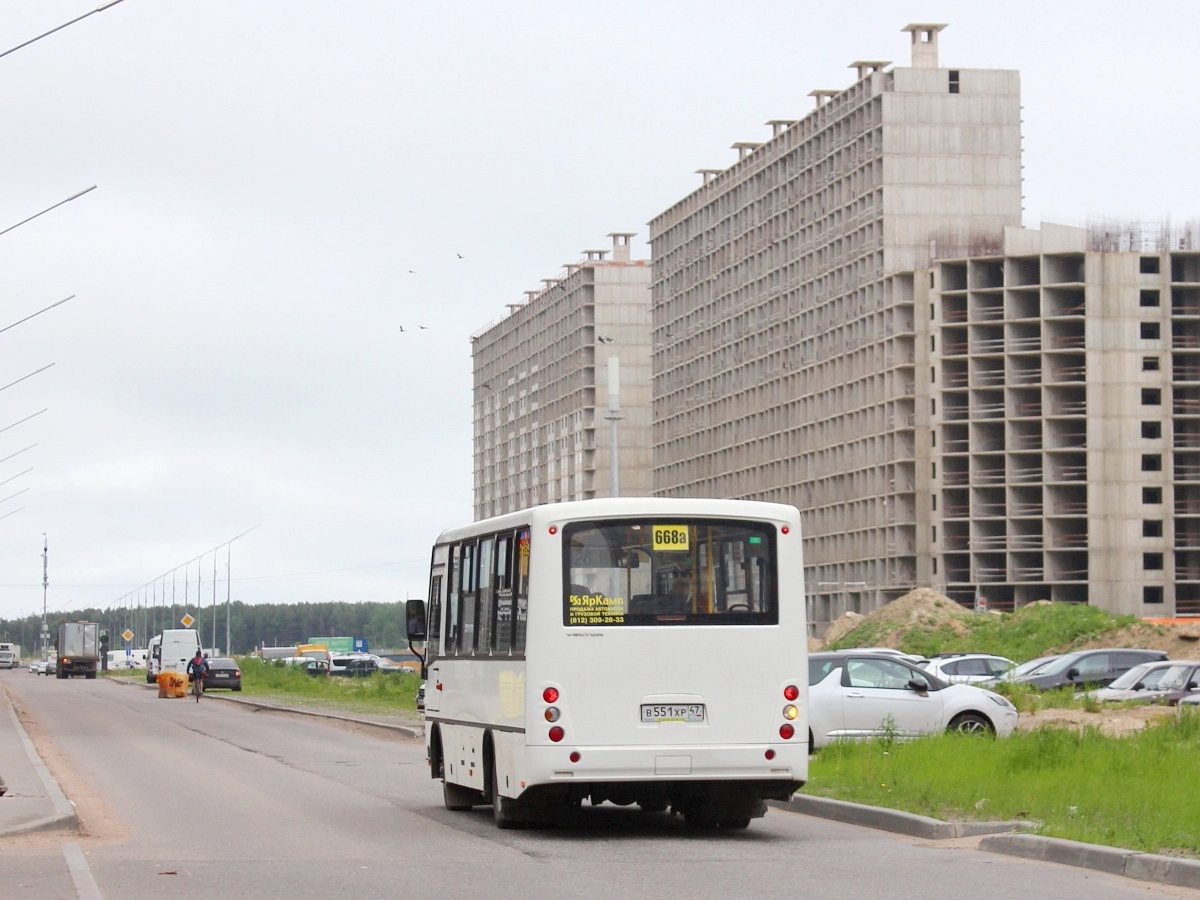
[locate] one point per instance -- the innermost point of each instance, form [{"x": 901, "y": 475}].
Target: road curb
[
  {"x": 1114, "y": 860},
  {"x": 893, "y": 820},
  {"x": 320, "y": 714},
  {"x": 407, "y": 731},
  {"x": 64, "y": 815}
]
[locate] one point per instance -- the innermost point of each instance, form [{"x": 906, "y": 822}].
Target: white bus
[{"x": 630, "y": 650}]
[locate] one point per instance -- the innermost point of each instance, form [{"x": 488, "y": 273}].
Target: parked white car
[
  {"x": 891, "y": 651},
  {"x": 858, "y": 694},
  {"x": 968, "y": 668}
]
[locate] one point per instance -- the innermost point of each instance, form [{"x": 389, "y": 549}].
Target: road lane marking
[{"x": 85, "y": 885}]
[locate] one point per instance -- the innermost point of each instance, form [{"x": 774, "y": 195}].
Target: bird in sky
[
  {"x": 459, "y": 255},
  {"x": 605, "y": 340},
  {"x": 423, "y": 327},
  {"x": 411, "y": 272}
]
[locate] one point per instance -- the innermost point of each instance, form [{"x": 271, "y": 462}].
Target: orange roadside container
[{"x": 172, "y": 684}]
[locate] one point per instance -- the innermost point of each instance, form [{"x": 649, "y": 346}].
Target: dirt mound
[
  {"x": 1113, "y": 721},
  {"x": 924, "y": 607},
  {"x": 1179, "y": 641}
]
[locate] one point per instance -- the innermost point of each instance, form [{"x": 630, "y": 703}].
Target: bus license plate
[{"x": 673, "y": 712}]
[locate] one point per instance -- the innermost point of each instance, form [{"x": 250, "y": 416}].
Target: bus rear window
[{"x": 671, "y": 571}]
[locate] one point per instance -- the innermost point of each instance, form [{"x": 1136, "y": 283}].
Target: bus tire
[
  {"x": 503, "y": 813},
  {"x": 459, "y": 798}
]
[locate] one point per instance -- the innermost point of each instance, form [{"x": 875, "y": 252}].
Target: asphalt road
[{"x": 182, "y": 799}]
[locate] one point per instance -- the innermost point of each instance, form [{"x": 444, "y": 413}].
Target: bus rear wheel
[{"x": 503, "y": 808}]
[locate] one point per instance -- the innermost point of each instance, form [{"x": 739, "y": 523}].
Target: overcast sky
[{"x": 284, "y": 192}]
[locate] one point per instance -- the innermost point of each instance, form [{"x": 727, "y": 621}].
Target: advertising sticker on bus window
[
  {"x": 595, "y": 609},
  {"x": 669, "y": 538}
]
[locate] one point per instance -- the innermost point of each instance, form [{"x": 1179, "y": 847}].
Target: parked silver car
[{"x": 1146, "y": 682}]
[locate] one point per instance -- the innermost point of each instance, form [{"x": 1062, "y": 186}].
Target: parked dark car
[
  {"x": 1095, "y": 668},
  {"x": 223, "y": 673},
  {"x": 366, "y": 665}
]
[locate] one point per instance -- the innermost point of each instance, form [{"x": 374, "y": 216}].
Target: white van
[{"x": 171, "y": 651}]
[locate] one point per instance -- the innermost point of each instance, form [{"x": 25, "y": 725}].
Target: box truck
[
  {"x": 78, "y": 649},
  {"x": 10, "y": 655}
]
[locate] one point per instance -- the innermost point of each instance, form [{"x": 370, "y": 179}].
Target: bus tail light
[
  {"x": 791, "y": 692},
  {"x": 574, "y": 756},
  {"x": 550, "y": 694},
  {"x": 556, "y": 733},
  {"x": 770, "y": 754},
  {"x": 786, "y": 731},
  {"x": 790, "y": 712},
  {"x": 552, "y": 714}
]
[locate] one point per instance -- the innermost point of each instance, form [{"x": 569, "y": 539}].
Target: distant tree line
[{"x": 250, "y": 626}]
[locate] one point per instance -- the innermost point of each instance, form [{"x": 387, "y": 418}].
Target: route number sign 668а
[{"x": 669, "y": 537}]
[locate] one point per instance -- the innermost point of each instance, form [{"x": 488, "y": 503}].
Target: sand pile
[{"x": 921, "y": 607}]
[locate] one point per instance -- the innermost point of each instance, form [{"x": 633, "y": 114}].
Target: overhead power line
[
  {"x": 48, "y": 208},
  {"x": 26, "y": 419},
  {"x": 60, "y": 27},
  {"x": 24, "y": 377},
  {"x": 38, "y": 313}
]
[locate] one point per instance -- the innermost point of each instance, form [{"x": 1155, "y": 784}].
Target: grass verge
[
  {"x": 1028, "y": 632},
  {"x": 380, "y": 694},
  {"x": 1140, "y": 792}
]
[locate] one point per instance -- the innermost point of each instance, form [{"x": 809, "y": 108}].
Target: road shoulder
[{"x": 34, "y": 801}]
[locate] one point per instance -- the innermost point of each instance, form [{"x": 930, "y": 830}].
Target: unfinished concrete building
[
  {"x": 788, "y": 363},
  {"x": 541, "y": 387},
  {"x": 1065, "y": 418}
]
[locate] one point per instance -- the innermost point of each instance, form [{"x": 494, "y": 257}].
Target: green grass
[
  {"x": 1030, "y": 631},
  {"x": 1140, "y": 792},
  {"x": 384, "y": 694}
]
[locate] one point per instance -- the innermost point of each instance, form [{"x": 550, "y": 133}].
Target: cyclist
[{"x": 197, "y": 668}]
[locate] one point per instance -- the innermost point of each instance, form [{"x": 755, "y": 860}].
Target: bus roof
[{"x": 616, "y": 507}]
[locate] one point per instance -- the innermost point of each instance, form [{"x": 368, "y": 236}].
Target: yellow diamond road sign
[
  {"x": 187, "y": 621},
  {"x": 127, "y": 634}
]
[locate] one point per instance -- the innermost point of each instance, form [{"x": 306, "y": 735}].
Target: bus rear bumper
[{"x": 657, "y": 763}]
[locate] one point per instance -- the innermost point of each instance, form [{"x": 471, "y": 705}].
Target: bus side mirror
[{"x": 414, "y": 620}]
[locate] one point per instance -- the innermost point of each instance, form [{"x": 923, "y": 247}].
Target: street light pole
[
  {"x": 45, "y": 587},
  {"x": 613, "y": 417}
]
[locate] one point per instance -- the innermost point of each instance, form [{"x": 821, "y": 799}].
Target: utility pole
[
  {"x": 45, "y": 587},
  {"x": 228, "y": 649}
]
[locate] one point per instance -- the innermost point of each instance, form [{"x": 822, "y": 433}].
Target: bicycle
[{"x": 197, "y": 685}]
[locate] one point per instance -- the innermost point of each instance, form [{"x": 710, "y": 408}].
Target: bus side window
[
  {"x": 452, "y": 601},
  {"x": 467, "y": 599},
  {"x": 521, "y": 590},
  {"x": 502, "y": 634},
  {"x": 487, "y": 595},
  {"x": 433, "y": 643}
]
